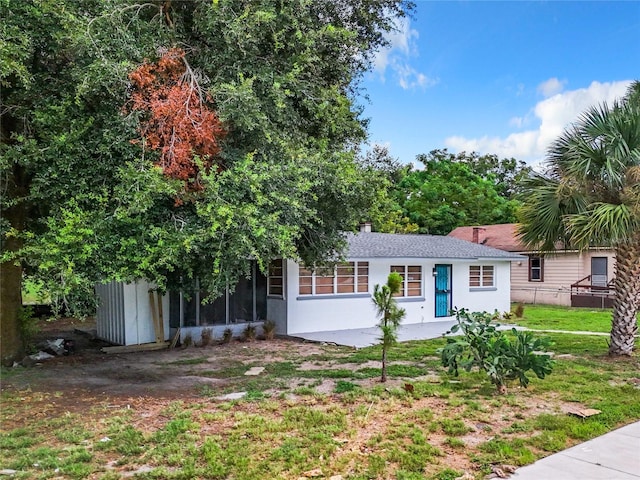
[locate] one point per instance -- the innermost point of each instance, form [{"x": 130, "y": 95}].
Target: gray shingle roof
[{"x": 389, "y": 245}]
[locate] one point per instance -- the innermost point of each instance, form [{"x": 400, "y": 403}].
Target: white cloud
[
  {"x": 551, "y": 87},
  {"x": 553, "y": 114},
  {"x": 517, "y": 122},
  {"x": 402, "y": 46}
]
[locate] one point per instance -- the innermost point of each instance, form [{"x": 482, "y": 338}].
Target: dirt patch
[{"x": 164, "y": 373}]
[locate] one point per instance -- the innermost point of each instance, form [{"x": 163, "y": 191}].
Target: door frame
[
  {"x": 448, "y": 290},
  {"x": 604, "y": 261}
]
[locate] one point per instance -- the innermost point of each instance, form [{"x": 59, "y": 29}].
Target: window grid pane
[
  {"x": 411, "y": 280},
  {"x": 363, "y": 276},
  {"x": 487, "y": 276},
  {"x": 345, "y": 278},
  {"x": 324, "y": 289},
  {"x": 474, "y": 276},
  {"x": 275, "y": 278},
  {"x": 481, "y": 276},
  {"x": 305, "y": 279}
]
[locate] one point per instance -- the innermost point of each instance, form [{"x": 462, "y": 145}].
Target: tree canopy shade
[
  {"x": 590, "y": 196},
  {"x": 93, "y": 188},
  {"x": 455, "y": 190}
]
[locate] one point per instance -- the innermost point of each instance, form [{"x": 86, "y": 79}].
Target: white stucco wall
[
  {"x": 482, "y": 299},
  {"x": 337, "y": 312}
]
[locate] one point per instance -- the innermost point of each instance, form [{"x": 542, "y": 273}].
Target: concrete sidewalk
[
  {"x": 365, "y": 337},
  {"x": 612, "y": 456}
]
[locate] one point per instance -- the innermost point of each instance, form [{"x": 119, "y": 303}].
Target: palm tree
[
  {"x": 390, "y": 315},
  {"x": 590, "y": 196}
]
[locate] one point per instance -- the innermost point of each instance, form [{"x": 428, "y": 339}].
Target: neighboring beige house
[{"x": 566, "y": 277}]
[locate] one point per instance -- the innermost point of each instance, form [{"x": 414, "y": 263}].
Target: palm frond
[
  {"x": 603, "y": 224},
  {"x": 590, "y": 193},
  {"x": 546, "y": 203}
]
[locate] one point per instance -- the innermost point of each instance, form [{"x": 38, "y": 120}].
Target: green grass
[
  {"x": 361, "y": 429},
  {"x": 550, "y": 317}
]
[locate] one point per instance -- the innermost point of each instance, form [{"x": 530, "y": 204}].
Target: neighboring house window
[
  {"x": 275, "y": 280},
  {"x": 536, "y": 269},
  {"x": 411, "y": 280},
  {"x": 345, "y": 278},
  {"x": 481, "y": 276}
]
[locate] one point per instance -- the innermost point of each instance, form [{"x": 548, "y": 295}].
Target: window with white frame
[
  {"x": 411, "y": 280},
  {"x": 344, "y": 278},
  {"x": 481, "y": 276},
  {"x": 275, "y": 279}
]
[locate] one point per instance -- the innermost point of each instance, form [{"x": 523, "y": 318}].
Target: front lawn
[
  {"x": 551, "y": 317},
  {"x": 316, "y": 411}
]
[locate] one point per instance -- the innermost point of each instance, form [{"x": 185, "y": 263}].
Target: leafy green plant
[
  {"x": 483, "y": 346},
  {"x": 390, "y": 315},
  {"x": 269, "y": 329},
  {"x": 343, "y": 386},
  {"x": 28, "y": 327}
]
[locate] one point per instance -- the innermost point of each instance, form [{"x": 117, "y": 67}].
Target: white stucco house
[{"x": 439, "y": 273}]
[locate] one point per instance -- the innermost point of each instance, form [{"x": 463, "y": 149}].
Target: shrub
[
  {"x": 483, "y": 346},
  {"x": 249, "y": 333},
  {"x": 269, "y": 329},
  {"x": 206, "y": 337},
  {"x": 227, "y": 335},
  {"x": 29, "y": 328}
]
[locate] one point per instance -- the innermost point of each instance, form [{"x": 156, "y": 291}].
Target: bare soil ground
[
  {"x": 178, "y": 372},
  {"x": 89, "y": 383}
]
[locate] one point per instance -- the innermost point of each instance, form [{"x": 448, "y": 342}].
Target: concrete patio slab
[
  {"x": 365, "y": 337},
  {"x": 613, "y": 456}
]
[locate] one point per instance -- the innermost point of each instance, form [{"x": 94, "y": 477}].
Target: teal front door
[{"x": 443, "y": 290}]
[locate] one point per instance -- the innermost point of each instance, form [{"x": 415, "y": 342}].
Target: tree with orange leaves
[
  {"x": 177, "y": 123},
  {"x": 81, "y": 204}
]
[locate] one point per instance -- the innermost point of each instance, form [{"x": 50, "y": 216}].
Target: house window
[
  {"x": 344, "y": 278},
  {"x": 481, "y": 276},
  {"x": 536, "y": 269},
  {"x": 411, "y": 280},
  {"x": 275, "y": 280}
]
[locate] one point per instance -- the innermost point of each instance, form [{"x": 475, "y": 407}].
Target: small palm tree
[
  {"x": 390, "y": 315},
  {"x": 590, "y": 196}
]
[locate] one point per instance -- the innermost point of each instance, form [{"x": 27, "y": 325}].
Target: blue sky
[{"x": 498, "y": 77}]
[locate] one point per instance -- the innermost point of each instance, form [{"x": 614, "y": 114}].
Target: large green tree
[
  {"x": 448, "y": 193},
  {"x": 590, "y": 196},
  {"x": 87, "y": 198}
]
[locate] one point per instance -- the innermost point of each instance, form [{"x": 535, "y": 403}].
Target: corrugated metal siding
[{"x": 110, "y": 315}]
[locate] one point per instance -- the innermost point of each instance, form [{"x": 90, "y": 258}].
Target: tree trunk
[
  {"x": 624, "y": 325},
  {"x": 384, "y": 364},
  {"x": 15, "y": 187},
  {"x": 11, "y": 346}
]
